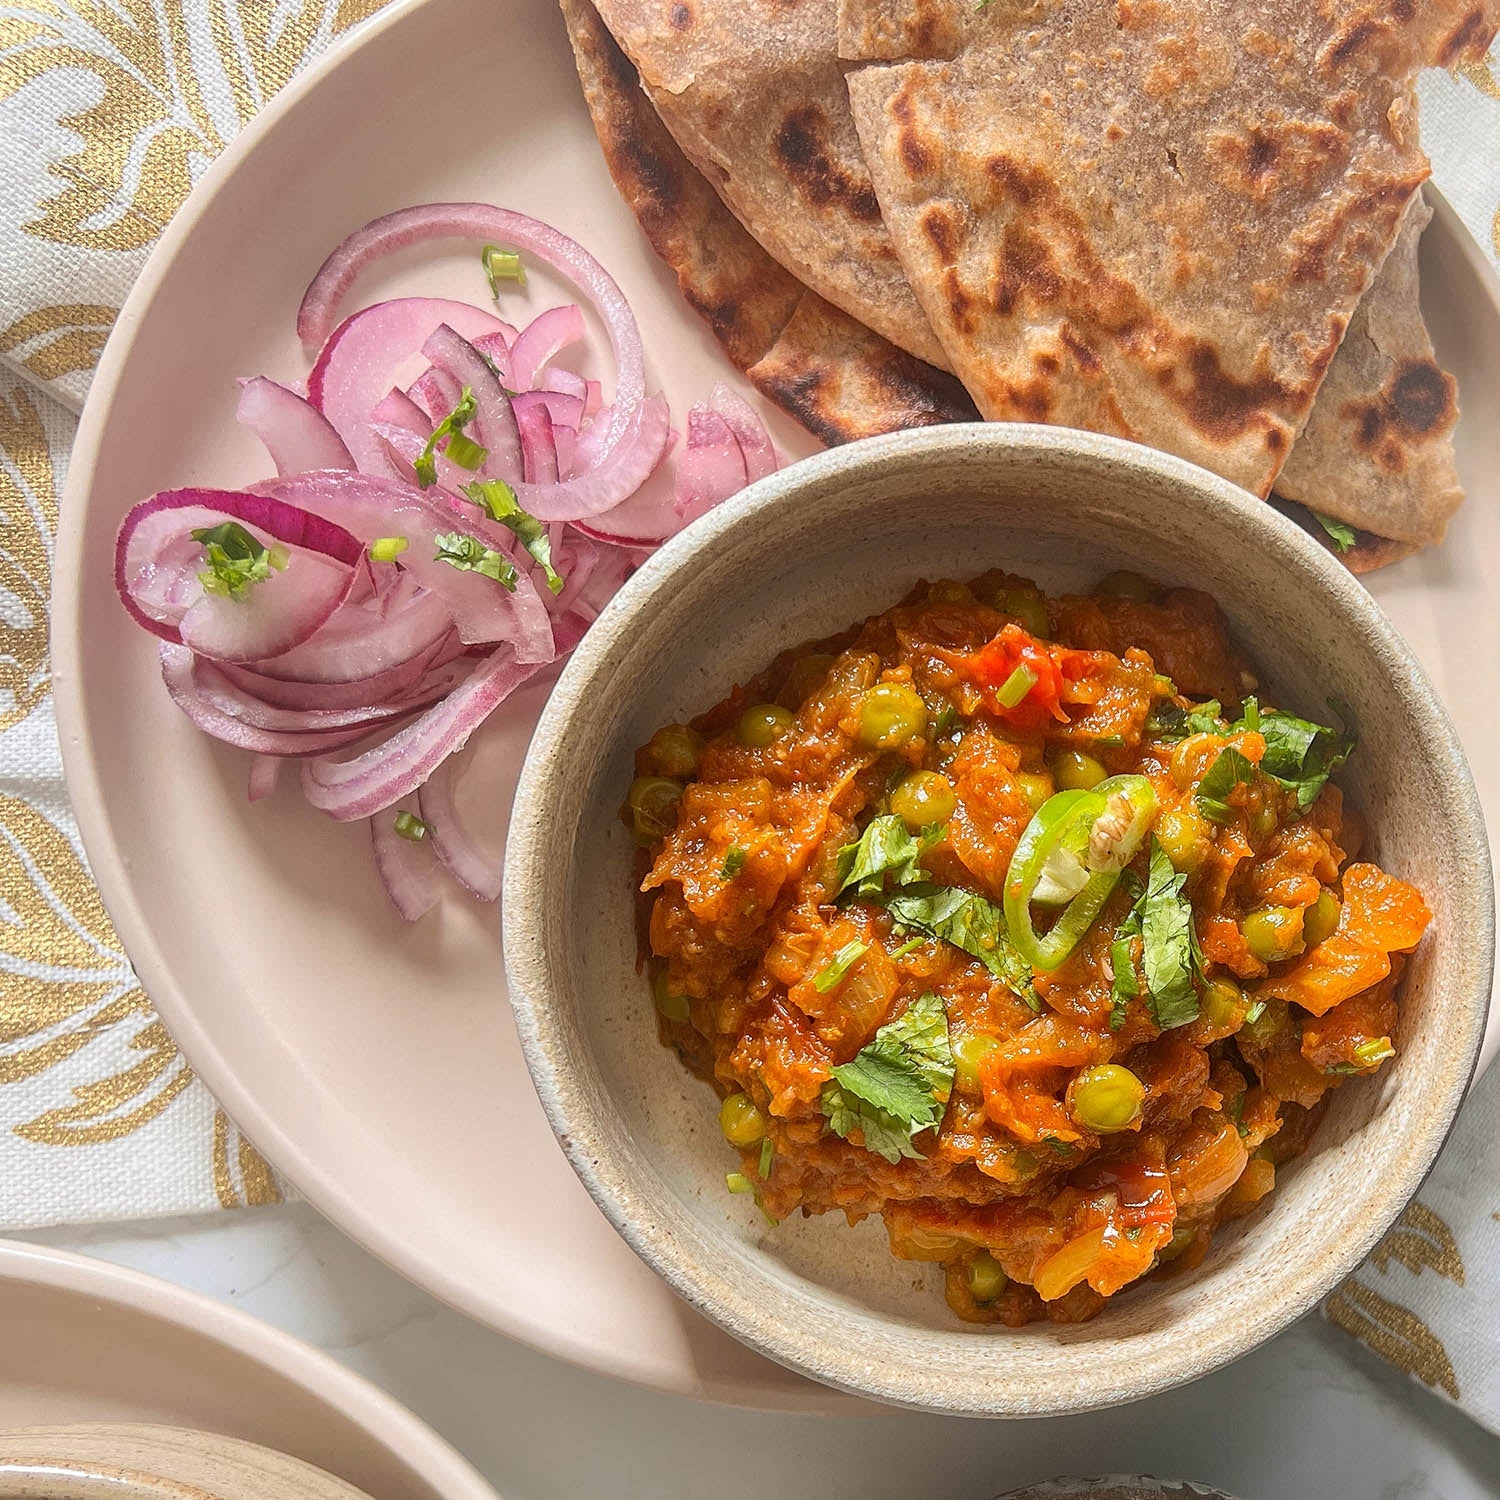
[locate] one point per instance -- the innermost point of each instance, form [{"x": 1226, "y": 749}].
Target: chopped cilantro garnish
[
  {"x": 1300, "y": 755},
  {"x": 387, "y": 548},
  {"x": 1169, "y": 944},
  {"x": 1125, "y": 985},
  {"x": 832, "y": 973},
  {"x": 1170, "y": 721},
  {"x": 907, "y": 947},
  {"x": 897, "y": 1085},
  {"x": 1254, "y": 1011},
  {"x": 236, "y": 560},
  {"x": 501, "y": 265},
  {"x": 499, "y": 499},
  {"x": 410, "y": 826},
  {"x": 969, "y": 922},
  {"x": 1340, "y": 533},
  {"x": 886, "y": 847},
  {"x": 469, "y": 555},
  {"x": 945, "y": 721},
  {"x": 1229, "y": 770},
  {"x": 463, "y": 451},
  {"x": 734, "y": 862}
]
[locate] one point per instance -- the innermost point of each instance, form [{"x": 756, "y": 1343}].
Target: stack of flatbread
[{"x": 1193, "y": 223}]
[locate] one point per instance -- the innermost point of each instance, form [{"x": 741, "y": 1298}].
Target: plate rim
[
  {"x": 380, "y": 1416},
  {"x": 109, "y": 864}
]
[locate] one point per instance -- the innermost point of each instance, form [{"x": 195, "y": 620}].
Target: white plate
[
  {"x": 88, "y": 1342},
  {"x": 377, "y": 1065}
]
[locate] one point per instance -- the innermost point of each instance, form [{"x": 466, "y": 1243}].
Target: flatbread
[
  {"x": 753, "y": 92},
  {"x": 1153, "y": 218},
  {"x": 833, "y": 374},
  {"x": 1377, "y": 450}
]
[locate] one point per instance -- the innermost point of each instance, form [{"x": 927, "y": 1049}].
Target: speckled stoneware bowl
[
  {"x": 805, "y": 553},
  {"x": 1115, "y": 1487}
]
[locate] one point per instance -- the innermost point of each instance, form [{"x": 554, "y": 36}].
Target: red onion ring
[
  {"x": 451, "y": 842},
  {"x": 295, "y": 433},
  {"x": 408, "y": 868}
]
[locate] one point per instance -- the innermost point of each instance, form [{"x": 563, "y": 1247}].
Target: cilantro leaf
[
  {"x": 1301, "y": 755},
  {"x": 734, "y": 862},
  {"x": 497, "y": 497},
  {"x": 1125, "y": 985},
  {"x": 886, "y": 847},
  {"x": 1169, "y": 943},
  {"x": 970, "y": 923},
  {"x": 1170, "y": 721},
  {"x": 236, "y": 560},
  {"x": 469, "y": 555},
  {"x": 897, "y": 1085},
  {"x": 463, "y": 451},
  {"x": 1340, "y": 533},
  {"x": 1231, "y": 769}
]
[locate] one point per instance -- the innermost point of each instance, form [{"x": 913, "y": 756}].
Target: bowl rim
[{"x": 530, "y": 852}]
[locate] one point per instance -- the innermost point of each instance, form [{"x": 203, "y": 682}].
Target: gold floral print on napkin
[{"x": 122, "y": 105}]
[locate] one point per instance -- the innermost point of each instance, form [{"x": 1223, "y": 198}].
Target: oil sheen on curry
[{"x": 1022, "y": 922}]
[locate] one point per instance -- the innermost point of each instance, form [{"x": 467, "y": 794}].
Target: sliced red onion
[
  {"x": 712, "y": 465},
  {"x": 381, "y": 687},
  {"x": 177, "y": 670},
  {"x": 565, "y": 410},
  {"x": 629, "y": 445},
  {"x": 295, "y": 433},
  {"x": 566, "y": 383},
  {"x": 379, "y": 777},
  {"x": 749, "y": 431},
  {"x": 408, "y": 868},
  {"x": 265, "y": 772},
  {"x": 538, "y": 445},
  {"x": 451, "y": 842},
  {"x": 541, "y": 341},
  {"x": 234, "y": 701},
  {"x": 359, "y": 363},
  {"x": 494, "y": 424},
  {"x": 434, "y": 393}
]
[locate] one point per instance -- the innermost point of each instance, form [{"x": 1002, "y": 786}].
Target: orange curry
[{"x": 1021, "y": 922}]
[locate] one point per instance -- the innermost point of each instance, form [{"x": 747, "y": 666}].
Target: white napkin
[{"x": 108, "y": 113}]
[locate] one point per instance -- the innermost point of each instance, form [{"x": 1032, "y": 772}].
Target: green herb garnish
[
  {"x": 1125, "y": 985},
  {"x": 907, "y": 947},
  {"x": 1170, "y": 721},
  {"x": 1229, "y": 770},
  {"x": 469, "y": 555},
  {"x": 832, "y": 973},
  {"x": 458, "y": 449},
  {"x": 734, "y": 862},
  {"x": 886, "y": 847},
  {"x": 970, "y": 923},
  {"x": 501, "y": 265},
  {"x": 767, "y": 1152},
  {"x": 1253, "y": 1012},
  {"x": 499, "y": 499},
  {"x": 236, "y": 561},
  {"x": 1340, "y": 533},
  {"x": 897, "y": 1085},
  {"x": 1015, "y": 687},
  {"x": 411, "y": 827},
  {"x": 1169, "y": 944},
  {"x": 737, "y": 1182},
  {"x": 387, "y": 548},
  {"x": 1300, "y": 755}
]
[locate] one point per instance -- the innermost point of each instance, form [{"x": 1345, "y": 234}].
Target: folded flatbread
[
  {"x": 1377, "y": 450},
  {"x": 753, "y": 92},
  {"x": 1154, "y": 218},
  {"x": 833, "y": 374}
]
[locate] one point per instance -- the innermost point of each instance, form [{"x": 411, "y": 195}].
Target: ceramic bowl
[{"x": 805, "y": 553}]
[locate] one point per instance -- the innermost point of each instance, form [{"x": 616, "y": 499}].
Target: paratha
[
  {"x": 833, "y": 374},
  {"x": 753, "y": 92},
  {"x": 1153, "y": 218},
  {"x": 1377, "y": 450}
]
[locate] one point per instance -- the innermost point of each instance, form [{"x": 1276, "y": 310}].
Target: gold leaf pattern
[
  {"x": 1481, "y": 76},
  {"x": 153, "y": 129},
  {"x": 55, "y": 341},
  {"x": 1395, "y": 1333},
  {"x": 28, "y": 519},
  {"x": 1421, "y": 1240},
  {"x": 257, "y": 1185}
]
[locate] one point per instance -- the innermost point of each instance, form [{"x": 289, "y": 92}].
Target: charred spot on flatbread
[{"x": 803, "y": 149}]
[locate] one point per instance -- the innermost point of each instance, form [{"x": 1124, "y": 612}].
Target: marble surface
[{"x": 1311, "y": 1415}]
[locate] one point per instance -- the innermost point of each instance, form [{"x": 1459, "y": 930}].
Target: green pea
[
  {"x": 1182, "y": 1236},
  {"x": 1124, "y": 584},
  {"x": 923, "y": 798},
  {"x": 1223, "y": 1005},
  {"x": 1183, "y": 836},
  {"x": 1263, "y": 822},
  {"x": 673, "y": 751},
  {"x": 946, "y": 591},
  {"x": 1036, "y": 787},
  {"x": 891, "y": 715},
  {"x": 673, "y": 1006},
  {"x": 985, "y": 1278},
  {"x": 1321, "y": 920},
  {"x": 1106, "y": 1098},
  {"x": 969, "y": 1053},
  {"x": 1075, "y": 771},
  {"x": 742, "y": 1123},
  {"x": 762, "y": 723},
  {"x": 1273, "y": 933},
  {"x": 652, "y": 804},
  {"x": 1025, "y": 605}
]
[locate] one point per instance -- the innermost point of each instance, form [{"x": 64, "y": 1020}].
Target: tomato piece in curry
[{"x": 1021, "y": 922}]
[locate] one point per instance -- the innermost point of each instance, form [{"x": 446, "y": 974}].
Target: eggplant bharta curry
[{"x": 1021, "y": 922}]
